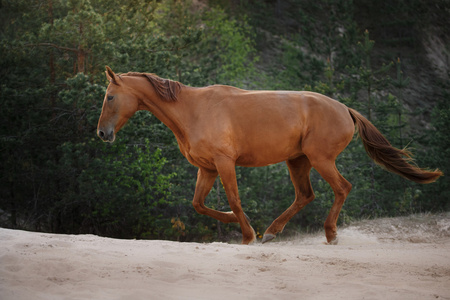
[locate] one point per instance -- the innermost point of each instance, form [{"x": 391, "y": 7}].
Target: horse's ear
[{"x": 112, "y": 77}]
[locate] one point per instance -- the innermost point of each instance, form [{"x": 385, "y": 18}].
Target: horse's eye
[{"x": 109, "y": 98}]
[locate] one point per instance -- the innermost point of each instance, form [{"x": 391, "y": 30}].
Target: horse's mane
[{"x": 167, "y": 89}]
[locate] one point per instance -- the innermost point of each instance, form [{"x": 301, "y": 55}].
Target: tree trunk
[{"x": 81, "y": 54}]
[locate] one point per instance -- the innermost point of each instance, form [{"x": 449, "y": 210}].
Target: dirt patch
[{"x": 399, "y": 258}]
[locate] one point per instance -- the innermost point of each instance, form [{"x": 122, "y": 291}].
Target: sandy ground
[{"x": 400, "y": 258}]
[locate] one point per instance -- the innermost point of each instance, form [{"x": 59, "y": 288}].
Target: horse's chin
[{"x": 110, "y": 138}]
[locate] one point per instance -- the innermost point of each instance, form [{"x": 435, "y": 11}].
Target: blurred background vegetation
[{"x": 388, "y": 59}]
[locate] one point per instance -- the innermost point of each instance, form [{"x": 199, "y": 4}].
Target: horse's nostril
[{"x": 101, "y": 134}]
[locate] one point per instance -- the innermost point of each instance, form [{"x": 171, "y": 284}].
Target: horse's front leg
[
  {"x": 205, "y": 181},
  {"x": 227, "y": 172}
]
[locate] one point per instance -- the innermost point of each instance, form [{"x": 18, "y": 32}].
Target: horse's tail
[{"x": 394, "y": 160}]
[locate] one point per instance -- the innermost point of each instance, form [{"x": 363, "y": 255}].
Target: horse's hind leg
[
  {"x": 299, "y": 170},
  {"x": 205, "y": 181},
  {"x": 341, "y": 187}
]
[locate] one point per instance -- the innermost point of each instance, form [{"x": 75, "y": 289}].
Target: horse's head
[{"x": 119, "y": 105}]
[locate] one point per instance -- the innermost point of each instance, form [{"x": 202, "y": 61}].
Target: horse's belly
[{"x": 268, "y": 154}]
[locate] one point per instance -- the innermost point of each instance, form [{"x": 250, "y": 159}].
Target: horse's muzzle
[{"x": 106, "y": 137}]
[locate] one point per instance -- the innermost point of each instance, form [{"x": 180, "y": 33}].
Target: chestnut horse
[{"x": 218, "y": 127}]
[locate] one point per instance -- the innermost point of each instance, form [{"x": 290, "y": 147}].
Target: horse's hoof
[
  {"x": 268, "y": 237},
  {"x": 333, "y": 241}
]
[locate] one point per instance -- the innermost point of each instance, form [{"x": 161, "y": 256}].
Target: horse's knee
[
  {"x": 309, "y": 198},
  {"x": 301, "y": 202},
  {"x": 199, "y": 207}
]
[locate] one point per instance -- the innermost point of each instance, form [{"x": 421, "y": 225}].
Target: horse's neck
[{"x": 173, "y": 114}]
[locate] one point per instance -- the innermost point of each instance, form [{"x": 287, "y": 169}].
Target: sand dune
[{"x": 400, "y": 258}]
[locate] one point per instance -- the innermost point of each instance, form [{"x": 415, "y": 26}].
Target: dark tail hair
[{"x": 394, "y": 160}]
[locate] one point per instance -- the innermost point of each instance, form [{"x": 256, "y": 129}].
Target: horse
[{"x": 220, "y": 127}]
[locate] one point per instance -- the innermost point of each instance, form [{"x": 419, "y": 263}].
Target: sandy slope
[{"x": 401, "y": 258}]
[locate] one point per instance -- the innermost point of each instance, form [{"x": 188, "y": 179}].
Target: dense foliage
[{"x": 57, "y": 176}]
